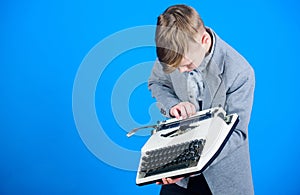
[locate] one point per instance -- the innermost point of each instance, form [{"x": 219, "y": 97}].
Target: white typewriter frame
[{"x": 215, "y": 130}]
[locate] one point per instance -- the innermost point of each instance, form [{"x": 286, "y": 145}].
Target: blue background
[{"x": 42, "y": 45}]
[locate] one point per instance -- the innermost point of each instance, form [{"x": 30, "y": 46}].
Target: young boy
[{"x": 197, "y": 70}]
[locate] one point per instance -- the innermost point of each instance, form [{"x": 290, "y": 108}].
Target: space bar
[{"x": 167, "y": 169}]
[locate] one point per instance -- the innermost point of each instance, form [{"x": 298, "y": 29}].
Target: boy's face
[
  {"x": 193, "y": 57},
  {"x": 186, "y": 65}
]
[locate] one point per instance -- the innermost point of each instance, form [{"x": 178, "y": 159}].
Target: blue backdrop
[{"x": 49, "y": 146}]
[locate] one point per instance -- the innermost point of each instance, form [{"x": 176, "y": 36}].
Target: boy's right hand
[{"x": 183, "y": 110}]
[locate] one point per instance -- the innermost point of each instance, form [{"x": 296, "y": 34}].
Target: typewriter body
[{"x": 184, "y": 147}]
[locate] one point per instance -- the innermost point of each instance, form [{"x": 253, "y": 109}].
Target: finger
[
  {"x": 175, "y": 112},
  {"x": 177, "y": 179},
  {"x": 188, "y": 108},
  {"x": 169, "y": 180},
  {"x": 192, "y": 109},
  {"x": 183, "y": 111},
  {"x": 164, "y": 181}
]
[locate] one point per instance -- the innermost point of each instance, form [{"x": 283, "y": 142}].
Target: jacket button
[{"x": 163, "y": 111}]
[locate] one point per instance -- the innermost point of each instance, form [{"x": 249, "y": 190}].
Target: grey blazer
[{"x": 229, "y": 81}]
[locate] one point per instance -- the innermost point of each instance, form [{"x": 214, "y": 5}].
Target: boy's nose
[{"x": 183, "y": 69}]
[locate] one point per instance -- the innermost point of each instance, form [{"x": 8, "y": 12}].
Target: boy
[{"x": 197, "y": 70}]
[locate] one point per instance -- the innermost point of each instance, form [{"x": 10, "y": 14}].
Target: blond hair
[{"x": 176, "y": 26}]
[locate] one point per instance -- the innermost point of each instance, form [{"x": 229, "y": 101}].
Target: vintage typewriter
[{"x": 184, "y": 147}]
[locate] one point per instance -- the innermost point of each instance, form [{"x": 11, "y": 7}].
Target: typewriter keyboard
[{"x": 172, "y": 158}]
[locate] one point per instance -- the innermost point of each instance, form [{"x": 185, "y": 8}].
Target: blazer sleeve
[
  {"x": 162, "y": 90},
  {"x": 239, "y": 99}
]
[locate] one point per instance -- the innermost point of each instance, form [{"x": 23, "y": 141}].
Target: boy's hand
[
  {"x": 169, "y": 181},
  {"x": 183, "y": 109}
]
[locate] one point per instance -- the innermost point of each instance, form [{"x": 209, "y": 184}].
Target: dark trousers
[{"x": 197, "y": 185}]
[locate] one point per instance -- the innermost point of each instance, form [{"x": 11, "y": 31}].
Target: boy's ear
[
  {"x": 206, "y": 41},
  {"x": 205, "y": 38}
]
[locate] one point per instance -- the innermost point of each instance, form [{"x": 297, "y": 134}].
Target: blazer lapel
[{"x": 214, "y": 82}]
